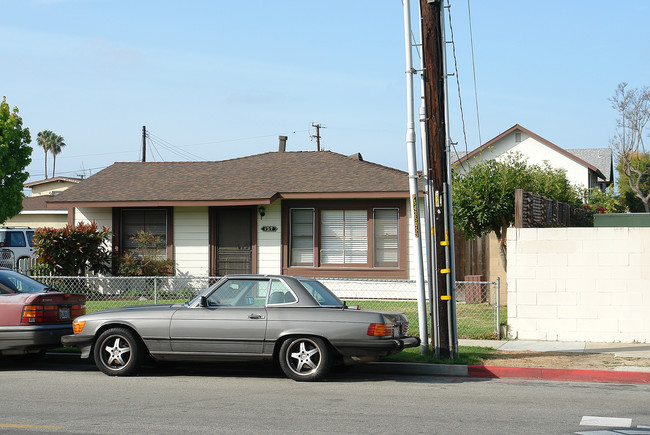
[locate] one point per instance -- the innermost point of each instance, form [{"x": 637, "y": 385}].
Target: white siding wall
[
  {"x": 579, "y": 284},
  {"x": 191, "y": 240},
  {"x": 38, "y": 220},
  {"x": 269, "y": 243},
  {"x": 102, "y": 216}
]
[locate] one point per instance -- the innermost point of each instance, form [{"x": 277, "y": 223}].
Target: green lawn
[{"x": 467, "y": 355}]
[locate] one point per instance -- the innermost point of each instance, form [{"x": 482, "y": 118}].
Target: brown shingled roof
[
  {"x": 33, "y": 203},
  {"x": 254, "y": 179}
]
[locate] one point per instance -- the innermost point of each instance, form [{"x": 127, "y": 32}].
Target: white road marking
[{"x": 589, "y": 420}]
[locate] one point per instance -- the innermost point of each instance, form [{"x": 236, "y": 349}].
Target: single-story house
[
  {"x": 318, "y": 214},
  {"x": 587, "y": 168},
  {"x": 35, "y": 213}
]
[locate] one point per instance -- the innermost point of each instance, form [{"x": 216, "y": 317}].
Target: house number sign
[{"x": 269, "y": 229}]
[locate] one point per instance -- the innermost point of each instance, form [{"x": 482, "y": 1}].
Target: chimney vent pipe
[{"x": 283, "y": 144}]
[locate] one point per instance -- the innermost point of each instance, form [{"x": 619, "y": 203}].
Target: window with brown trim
[
  {"x": 150, "y": 221},
  {"x": 344, "y": 238},
  {"x": 129, "y": 221},
  {"x": 386, "y": 237}
]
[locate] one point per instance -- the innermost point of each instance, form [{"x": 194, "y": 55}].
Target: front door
[{"x": 232, "y": 241}]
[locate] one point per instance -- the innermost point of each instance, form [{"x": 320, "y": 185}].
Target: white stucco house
[{"x": 586, "y": 168}]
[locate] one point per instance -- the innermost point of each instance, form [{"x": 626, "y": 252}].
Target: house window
[
  {"x": 344, "y": 237},
  {"x": 361, "y": 238},
  {"x": 386, "y": 237},
  {"x": 152, "y": 221},
  {"x": 517, "y": 137},
  {"x": 302, "y": 236}
]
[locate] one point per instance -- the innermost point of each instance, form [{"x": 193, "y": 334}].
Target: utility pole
[
  {"x": 439, "y": 174},
  {"x": 318, "y": 127},
  {"x": 144, "y": 143},
  {"x": 416, "y": 235}
]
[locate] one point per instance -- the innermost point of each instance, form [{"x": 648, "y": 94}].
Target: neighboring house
[
  {"x": 317, "y": 214},
  {"x": 586, "y": 168},
  {"x": 35, "y": 213},
  {"x": 602, "y": 159}
]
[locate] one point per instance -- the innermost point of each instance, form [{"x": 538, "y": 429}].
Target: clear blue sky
[{"x": 218, "y": 80}]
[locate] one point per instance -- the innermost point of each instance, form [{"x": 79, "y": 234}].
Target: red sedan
[{"x": 33, "y": 317}]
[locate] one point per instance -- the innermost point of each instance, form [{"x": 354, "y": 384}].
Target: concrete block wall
[{"x": 579, "y": 284}]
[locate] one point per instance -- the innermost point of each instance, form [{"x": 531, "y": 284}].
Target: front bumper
[
  {"x": 374, "y": 348},
  {"x": 32, "y": 337},
  {"x": 83, "y": 342}
]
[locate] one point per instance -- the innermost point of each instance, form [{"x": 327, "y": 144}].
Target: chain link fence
[
  {"x": 7, "y": 259},
  {"x": 477, "y": 303},
  {"x": 117, "y": 291},
  {"x": 480, "y": 313}
]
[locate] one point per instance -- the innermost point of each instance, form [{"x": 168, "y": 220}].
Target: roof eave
[{"x": 228, "y": 202}]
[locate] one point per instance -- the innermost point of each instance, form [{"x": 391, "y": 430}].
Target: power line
[
  {"x": 471, "y": 40},
  {"x": 157, "y": 140},
  {"x": 460, "y": 99}
]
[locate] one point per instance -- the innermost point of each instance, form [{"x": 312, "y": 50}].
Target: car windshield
[
  {"x": 12, "y": 282},
  {"x": 322, "y": 294}
]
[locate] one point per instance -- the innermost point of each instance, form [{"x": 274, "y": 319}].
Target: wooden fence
[{"x": 534, "y": 211}]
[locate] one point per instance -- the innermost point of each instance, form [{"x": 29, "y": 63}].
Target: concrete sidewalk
[
  {"x": 641, "y": 375},
  {"x": 633, "y": 350}
]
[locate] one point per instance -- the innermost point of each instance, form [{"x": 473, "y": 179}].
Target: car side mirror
[{"x": 203, "y": 301}]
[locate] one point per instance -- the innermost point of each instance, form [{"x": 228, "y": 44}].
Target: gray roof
[{"x": 598, "y": 157}]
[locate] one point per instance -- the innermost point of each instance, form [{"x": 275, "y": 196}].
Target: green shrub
[{"x": 73, "y": 250}]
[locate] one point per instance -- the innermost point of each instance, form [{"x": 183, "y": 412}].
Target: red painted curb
[{"x": 559, "y": 374}]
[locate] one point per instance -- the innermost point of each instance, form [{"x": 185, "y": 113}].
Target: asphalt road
[{"x": 63, "y": 395}]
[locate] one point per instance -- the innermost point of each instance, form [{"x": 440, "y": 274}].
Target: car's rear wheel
[
  {"x": 305, "y": 358},
  {"x": 118, "y": 352}
]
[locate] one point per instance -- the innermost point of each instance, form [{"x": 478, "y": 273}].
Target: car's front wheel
[
  {"x": 118, "y": 352},
  {"x": 305, "y": 358}
]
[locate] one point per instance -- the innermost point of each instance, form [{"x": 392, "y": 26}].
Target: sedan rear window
[
  {"x": 322, "y": 294},
  {"x": 12, "y": 282}
]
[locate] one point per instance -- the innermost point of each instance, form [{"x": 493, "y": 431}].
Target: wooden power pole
[
  {"x": 440, "y": 273},
  {"x": 144, "y": 143},
  {"x": 318, "y": 127}
]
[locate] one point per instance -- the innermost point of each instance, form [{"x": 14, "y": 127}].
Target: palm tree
[
  {"x": 44, "y": 140},
  {"x": 55, "y": 148}
]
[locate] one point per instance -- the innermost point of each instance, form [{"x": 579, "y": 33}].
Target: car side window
[
  {"x": 280, "y": 293},
  {"x": 16, "y": 239},
  {"x": 240, "y": 293}
]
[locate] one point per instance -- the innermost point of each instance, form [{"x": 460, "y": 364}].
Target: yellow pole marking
[
  {"x": 445, "y": 298},
  {"x": 416, "y": 218}
]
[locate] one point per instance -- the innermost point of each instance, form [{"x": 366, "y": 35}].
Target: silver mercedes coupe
[{"x": 297, "y": 322}]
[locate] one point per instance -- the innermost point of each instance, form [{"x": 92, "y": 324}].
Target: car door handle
[{"x": 256, "y": 316}]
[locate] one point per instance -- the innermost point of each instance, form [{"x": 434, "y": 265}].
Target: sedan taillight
[
  {"x": 380, "y": 330},
  {"x": 51, "y": 313},
  {"x": 33, "y": 314}
]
